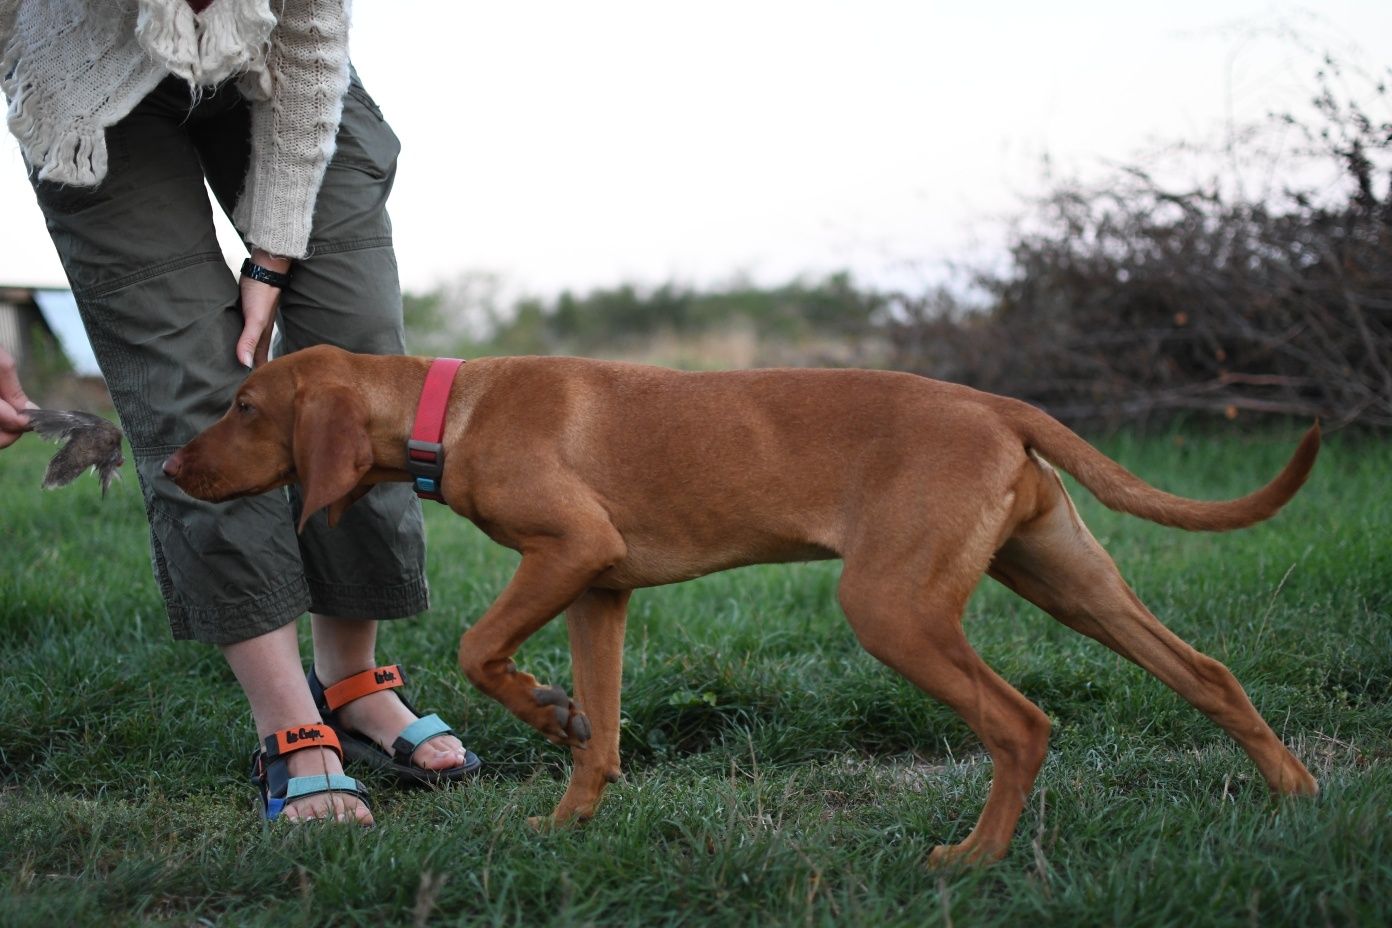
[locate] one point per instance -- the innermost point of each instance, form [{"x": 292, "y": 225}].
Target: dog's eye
[{"x": 243, "y": 407}]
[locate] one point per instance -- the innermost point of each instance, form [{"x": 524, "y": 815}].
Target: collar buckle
[{"x": 425, "y": 461}]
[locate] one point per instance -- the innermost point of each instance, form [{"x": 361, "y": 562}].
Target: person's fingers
[
  {"x": 13, "y": 420},
  {"x": 12, "y": 396},
  {"x": 263, "y": 347},
  {"x": 13, "y": 402},
  {"x": 246, "y": 343},
  {"x": 258, "y": 312}
]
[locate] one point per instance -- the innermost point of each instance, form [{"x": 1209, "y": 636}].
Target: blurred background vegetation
[{"x": 1252, "y": 280}]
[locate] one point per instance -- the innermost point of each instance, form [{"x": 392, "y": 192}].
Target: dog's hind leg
[
  {"x": 596, "y": 624},
  {"x": 906, "y": 609},
  {"x": 1053, "y": 561}
]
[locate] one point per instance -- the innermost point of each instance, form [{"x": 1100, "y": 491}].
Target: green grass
[{"x": 775, "y": 773}]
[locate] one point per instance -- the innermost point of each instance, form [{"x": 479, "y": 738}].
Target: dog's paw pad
[
  {"x": 551, "y": 696},
  {"x": 565, "y": 723},
  {"x": 562, "y": 716}
]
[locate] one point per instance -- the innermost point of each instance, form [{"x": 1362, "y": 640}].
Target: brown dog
[{"x": 607, "y": 477}]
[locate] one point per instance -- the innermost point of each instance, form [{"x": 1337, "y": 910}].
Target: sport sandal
[
  {"x": 358, "y": 747},
  {"x": 270, "y": 769}
]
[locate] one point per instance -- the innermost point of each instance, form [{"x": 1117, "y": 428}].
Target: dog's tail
[{"x": 1119, "y": 489}]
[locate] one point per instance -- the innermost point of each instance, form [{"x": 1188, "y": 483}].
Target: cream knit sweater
[{"x": 71, "y": 68}]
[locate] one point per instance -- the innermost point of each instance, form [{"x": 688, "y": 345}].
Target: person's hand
[
  {"x": 259, "y": 303},
  {"x": 13, "y": 422}
]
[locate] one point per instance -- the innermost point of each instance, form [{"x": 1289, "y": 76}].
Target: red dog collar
[{"x": 425, "y": 456}]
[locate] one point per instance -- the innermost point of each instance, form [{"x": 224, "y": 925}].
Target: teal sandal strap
[
  {"x": 321, "y": 783},
  {"x": 416, "y": 734},
  {"x": 299, "y": 787}
]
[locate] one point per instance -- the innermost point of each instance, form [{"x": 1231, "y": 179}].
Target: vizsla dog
[{"x": 608, "y": 477}]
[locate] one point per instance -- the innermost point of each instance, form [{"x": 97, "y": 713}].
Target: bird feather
[{"x": 89, "y": 442}]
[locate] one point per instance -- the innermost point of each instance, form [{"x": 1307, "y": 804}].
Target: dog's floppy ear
[
  {"x": 343, "y": 502},
  {"x": 332, "y": 450}
]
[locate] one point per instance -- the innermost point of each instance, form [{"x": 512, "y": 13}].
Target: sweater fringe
[
  {"x": 227, "y": 38},
  {"x": 66, "y": 154}
]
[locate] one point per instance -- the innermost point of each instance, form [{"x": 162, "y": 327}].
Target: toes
[
  {"x": 439, "y": 754},
  {"x": 568, "y": 724},
  {"x": 330, "y": 807},
  {"x": 346, "y": 808},
  {"x": 441, "y": 760}
]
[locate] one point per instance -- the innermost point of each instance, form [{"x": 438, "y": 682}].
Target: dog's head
[{"x": 297, "y": 419}]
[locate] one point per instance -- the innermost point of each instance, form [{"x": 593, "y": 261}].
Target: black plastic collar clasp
[{"x": 425, "y": 462}]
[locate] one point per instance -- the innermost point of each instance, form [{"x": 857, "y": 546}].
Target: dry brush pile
[{"x": 1134, "y": 302}]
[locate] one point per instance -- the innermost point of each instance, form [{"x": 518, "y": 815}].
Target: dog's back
[{"x": 718, "y": 469}]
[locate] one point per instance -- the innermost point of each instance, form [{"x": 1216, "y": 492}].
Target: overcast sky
[{"x": 567, "y": 144}]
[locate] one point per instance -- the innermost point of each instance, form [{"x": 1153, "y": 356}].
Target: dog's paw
[
  {"x": 946, "y": 856},
  {"x": 1295, "y": 780},
  {"x": 555, "y": 822},
  {"x": 563, "y": 723}
]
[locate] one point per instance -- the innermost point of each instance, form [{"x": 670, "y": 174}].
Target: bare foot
[
  {"x": 339, "y": 807},
  {"x": 381, "y": 716}
]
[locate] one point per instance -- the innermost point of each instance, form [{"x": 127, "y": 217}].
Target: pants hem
[
  {"x": 352, "y": 601},
  {"x": 232, "y": 624}
]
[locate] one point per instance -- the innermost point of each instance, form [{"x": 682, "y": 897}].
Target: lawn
[{"x": 775, "y": 773}]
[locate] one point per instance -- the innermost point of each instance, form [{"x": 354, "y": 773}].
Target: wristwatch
[{"x": 265, "y": 275}]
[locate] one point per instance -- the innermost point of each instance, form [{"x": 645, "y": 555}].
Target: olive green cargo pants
[{"x": 160, "y": 306}]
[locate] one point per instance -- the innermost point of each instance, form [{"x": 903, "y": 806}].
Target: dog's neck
[{"x": 399, "y": 387}]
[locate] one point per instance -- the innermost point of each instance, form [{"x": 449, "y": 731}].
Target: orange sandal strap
[
  {"x": 299, "y": 737},
  {"x": 361, "y": 684}
]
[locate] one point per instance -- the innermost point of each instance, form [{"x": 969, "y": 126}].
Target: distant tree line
[{"x": 798, "y": 322}]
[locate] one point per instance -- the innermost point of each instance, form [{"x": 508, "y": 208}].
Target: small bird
[{"x": 91, "y": 442}]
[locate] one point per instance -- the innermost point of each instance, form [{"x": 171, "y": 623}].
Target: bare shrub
[{"x": 1130, "y": 301}]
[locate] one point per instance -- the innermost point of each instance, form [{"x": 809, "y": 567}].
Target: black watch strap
[{"x": 265, "y": 275}]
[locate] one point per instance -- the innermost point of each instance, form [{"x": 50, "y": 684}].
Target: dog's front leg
[
  {"x": 596, "y": 624},
  {"x": 552, "y": 575}
]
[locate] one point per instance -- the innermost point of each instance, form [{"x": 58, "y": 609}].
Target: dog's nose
[{"x": 173, "y": 463}]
